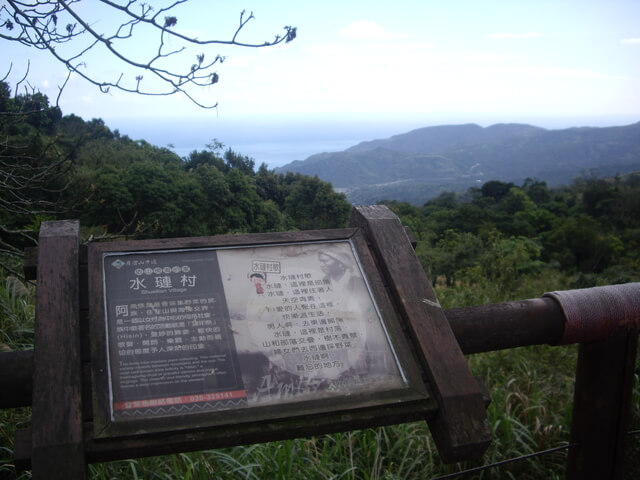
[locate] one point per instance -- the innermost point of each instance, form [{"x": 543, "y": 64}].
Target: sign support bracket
[{"x": 460, "y": 426}]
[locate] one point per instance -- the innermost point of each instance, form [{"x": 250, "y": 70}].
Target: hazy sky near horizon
[{"x": 508, "y": 60}]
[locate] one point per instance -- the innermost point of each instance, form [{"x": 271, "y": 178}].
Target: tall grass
[
  {"x": 519, "y": 426},
  {"x": 398, "y": 452},
  {"x": 17, "y": 312}
]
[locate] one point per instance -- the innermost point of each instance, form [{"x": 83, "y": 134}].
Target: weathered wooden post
[
  {"x": 460, "y": 427},
  {"x": 57, "y": 441},
  {"x": 601, "y": 407}
]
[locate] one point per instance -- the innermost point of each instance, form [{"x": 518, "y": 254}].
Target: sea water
[{"x": 277, "y": 141}]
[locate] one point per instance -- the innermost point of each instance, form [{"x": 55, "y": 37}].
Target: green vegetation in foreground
[{"x": 497, "y": 243}]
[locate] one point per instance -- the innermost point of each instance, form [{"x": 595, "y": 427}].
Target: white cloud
[
  {"x": 242, "y": 61},
  {"x": 488, "y": 58},
  {"x": 630, "y": 41},
  {"x": 327, "y": 50},
  {"x": 368, "y": 30},
  {"x": 517, "y": 36},
  {"x": 549, "y": 72},
  {"x": 416, "y": 46}
]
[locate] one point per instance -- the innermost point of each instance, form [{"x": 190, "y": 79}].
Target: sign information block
[
  {"x": 210, "y": 329},
  {"x": 170, "y": 346}
]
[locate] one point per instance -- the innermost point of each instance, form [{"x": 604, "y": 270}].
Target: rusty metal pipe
[
  {"x": 498, "y": 326},
  {"x": 477, "y": 329},
  {"x": 552, "y": 319}
]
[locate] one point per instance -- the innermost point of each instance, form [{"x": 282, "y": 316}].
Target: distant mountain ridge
[
  {"x": 433, "y": 139},
  {"x": 419, "y": 164}
]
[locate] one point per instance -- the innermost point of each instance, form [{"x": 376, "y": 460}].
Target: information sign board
[{"x": 191, "y": 332}]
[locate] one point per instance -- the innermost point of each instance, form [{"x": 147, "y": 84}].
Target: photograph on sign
[{"x": 210, "y": 329}]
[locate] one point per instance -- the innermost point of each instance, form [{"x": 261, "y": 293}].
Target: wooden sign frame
[{"x": 413, "y": 391}]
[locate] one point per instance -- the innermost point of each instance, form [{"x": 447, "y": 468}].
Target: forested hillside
[
  {"x": 505, "y": 241},
  {"x": 419, "y": 165},
  {"x": 56, "y": 166}
]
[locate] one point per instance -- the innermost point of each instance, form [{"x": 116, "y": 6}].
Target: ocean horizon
[
  {"x": 273, "y": 142},
  {"x": 279, "y": 141}
]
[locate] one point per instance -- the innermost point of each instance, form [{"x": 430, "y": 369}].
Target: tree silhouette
[{"x": 170, "y": 67}]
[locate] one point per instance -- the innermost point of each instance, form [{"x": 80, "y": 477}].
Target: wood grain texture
[
  {"x": 460, "y": 427},
  {"x": 601, "y": 406},
  {"x": 57, "y": 435}
]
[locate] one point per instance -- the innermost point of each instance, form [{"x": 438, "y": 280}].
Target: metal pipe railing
[
  {"x": 482, "y": 328},
  {"x": 478, "y": 329}
]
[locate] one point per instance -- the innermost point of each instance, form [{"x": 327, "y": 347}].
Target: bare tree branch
[
  {"x": 49, "y": 24},
  {"x": 35, "y": 168}
]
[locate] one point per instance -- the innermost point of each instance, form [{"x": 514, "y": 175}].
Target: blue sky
[{"x": 453, "y": 60}]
